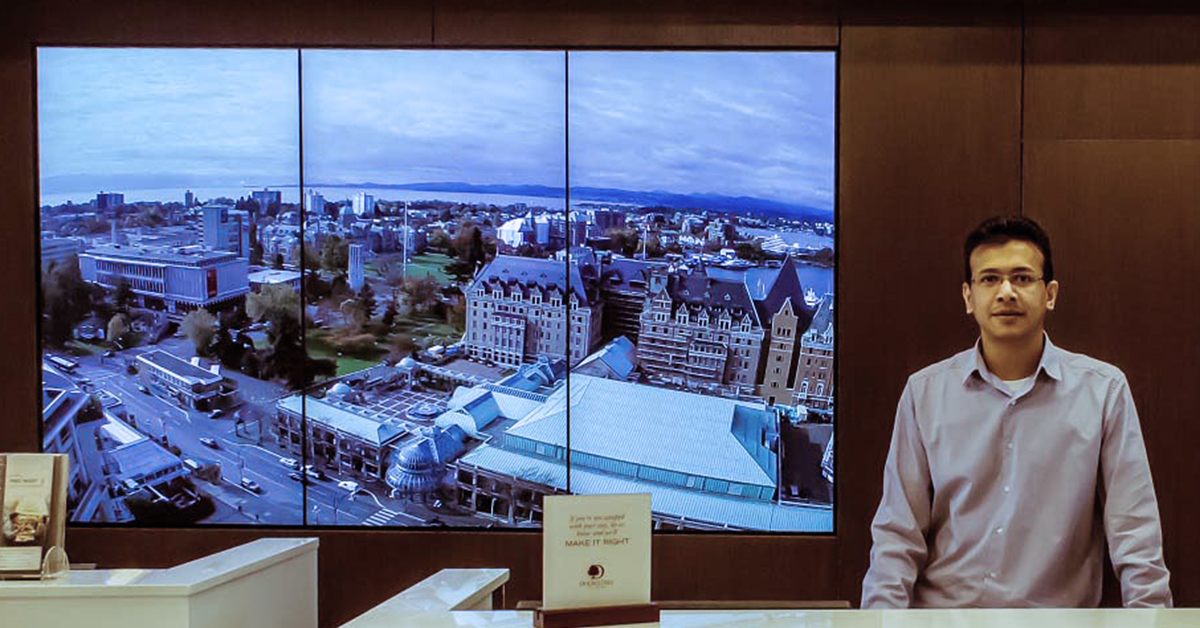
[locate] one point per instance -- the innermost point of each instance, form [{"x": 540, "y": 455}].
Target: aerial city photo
[{"x": 393, "y": 292}]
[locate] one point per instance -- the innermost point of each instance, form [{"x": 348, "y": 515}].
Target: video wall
[{"x": 431, "y": 287}]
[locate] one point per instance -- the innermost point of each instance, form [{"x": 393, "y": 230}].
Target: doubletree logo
[{"x": 595, "y": 572}]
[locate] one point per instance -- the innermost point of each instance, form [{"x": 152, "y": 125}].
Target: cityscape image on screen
[{"x": 431, "y": 287}]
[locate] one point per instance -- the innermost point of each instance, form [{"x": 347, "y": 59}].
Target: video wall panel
[{"x": 383, "y": 287}]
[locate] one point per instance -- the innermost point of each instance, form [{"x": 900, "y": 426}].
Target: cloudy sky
[
  {"x": 734, "y": 123},
  {"x": 169, "y": 116},
  {"x": 404, "y": 116}
]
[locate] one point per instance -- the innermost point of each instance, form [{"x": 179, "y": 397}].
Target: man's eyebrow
[{"x": 1015, "y": 269}]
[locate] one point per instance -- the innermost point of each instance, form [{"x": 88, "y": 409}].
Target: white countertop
[
  {"x": 974, "y": 618},
  {"x": 186, "y": 579}
]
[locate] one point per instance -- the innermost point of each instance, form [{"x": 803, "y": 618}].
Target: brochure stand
[
  {"x": 55, "y": 564},
  {"x": 33, "y": 512},
  {"x": 595, "y": 616}
]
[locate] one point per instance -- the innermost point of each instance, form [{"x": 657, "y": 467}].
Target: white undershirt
[{"x": 1018, "y": 384}]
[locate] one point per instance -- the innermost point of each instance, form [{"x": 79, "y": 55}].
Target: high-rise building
[
  {"x": 189, "y": 200},
  {"x": 266, "y": 197},
  {"x": 226, "y": 229},
  {"x": 356, "y": 266},
  {"x": 109, "y": 200},
  {"x": 363, "y": 204},
  {"x": 314, "y": 202},
  {"x": 517, "y": 310},
  {"x": 605, "y": 219}
]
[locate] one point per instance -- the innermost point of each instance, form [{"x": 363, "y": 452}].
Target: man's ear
[
  {"x": 1051, "y": 294},
  {"x": 967, "y": 298}
]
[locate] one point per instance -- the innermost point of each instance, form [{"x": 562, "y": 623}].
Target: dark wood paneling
[
  {"x": 930, "y": 146},
  {"x": 1125, "y": 217},
  {"x": 231, "y": 23},
  {"x": 668, "y": 23},
  {"x": 1112, "y": 76},
  {"x": 732, "y": 567},
  {"x": 18, "y": 313}
]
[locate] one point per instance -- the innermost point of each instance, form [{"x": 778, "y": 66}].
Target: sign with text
[{"x": 596, "y": 550}]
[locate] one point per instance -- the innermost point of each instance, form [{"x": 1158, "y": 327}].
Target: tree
[
  {"x": 335, "y": 254},
  {"x": 123, "y": 296},
  {"x": 421, "y": 293},
  {"x": 624, "y": 241},
  {"x": 66, "y": 300},
  {"x": 200, "y": 327},
  {"x": 750, "y": 251},
  {"x": 277, "y": 261},
  {"x": 275, "y": 305},
  {"x": 403, "y": 346},
  {"x": 366, "y": 299},
  {"x": 389, "y": 314},
  {"x": 456, "y": 315},
  {"x": 118, "y": 326}
]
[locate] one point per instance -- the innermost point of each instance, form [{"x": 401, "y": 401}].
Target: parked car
[
  {"x": 295, "y": 475},
  {"x": 218, "y": 413},
  {"x": 349, "y": 485},
  {"x": 110, "y": 353},
  {"x": 315, "y": 473},
  {"x": 142, "y": 389},
  {"x": 251, "y": 485},
  {"x": 290, "y": 463},
  {"x": 208, "y": 442}
]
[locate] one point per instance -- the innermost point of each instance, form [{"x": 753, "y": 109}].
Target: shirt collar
[{"x": 1050, "y": 362}]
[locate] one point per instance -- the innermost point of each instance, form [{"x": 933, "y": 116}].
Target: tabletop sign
[{"x": 596, "y": 551}]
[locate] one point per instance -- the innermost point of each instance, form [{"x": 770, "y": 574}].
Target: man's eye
[
  {"x": 1023, "y": 280},
  {"x": 989, "y": 280}
]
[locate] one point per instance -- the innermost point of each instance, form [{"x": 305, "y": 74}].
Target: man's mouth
[{"x": 1008, "y": 314}]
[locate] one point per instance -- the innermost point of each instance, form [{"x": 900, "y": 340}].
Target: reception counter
[
  {"x": 269, "y": 583},
  {"x": 1058, "y": 618},
  {"x": 444, "y": 600}
]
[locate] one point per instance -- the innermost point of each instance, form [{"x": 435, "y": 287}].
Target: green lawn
[
  {"x": 426, "y": 265},
  {"x": 422, "y": 326},
  {"x": 318, "y": 348}
]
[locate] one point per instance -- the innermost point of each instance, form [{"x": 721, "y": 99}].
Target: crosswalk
[{"x": 381, "y": 517}]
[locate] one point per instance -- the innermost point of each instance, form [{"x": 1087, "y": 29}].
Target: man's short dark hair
[{"x": 1002, "y": 229}]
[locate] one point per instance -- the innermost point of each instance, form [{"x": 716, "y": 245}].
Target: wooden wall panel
[
  {"x": 930, "y": 146},
  {"x": 1111, "y": 154},
  {"x": 1112, "y": 76},
  {"x": 1125, "y": 218},
  {"x": 230, "y": 23},
  {"x": 669, "y": 23}
]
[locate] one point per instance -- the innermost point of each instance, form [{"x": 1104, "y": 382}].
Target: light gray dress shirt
[{"x": 997, "y": 498}]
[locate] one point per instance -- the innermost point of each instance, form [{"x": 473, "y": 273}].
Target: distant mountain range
[{"x": 738, "y": 204}]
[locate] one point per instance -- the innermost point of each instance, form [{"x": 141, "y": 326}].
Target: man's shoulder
[
  {"x": 953, "y": 366},
  {"x": 1082, "y": 364}
]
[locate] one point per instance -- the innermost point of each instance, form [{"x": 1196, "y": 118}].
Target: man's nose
[{"x": 1006, "y": 292}]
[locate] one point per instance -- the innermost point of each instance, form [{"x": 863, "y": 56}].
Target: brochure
[{"x": 32, "y": 506}]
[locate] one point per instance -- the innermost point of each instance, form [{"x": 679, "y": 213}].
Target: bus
[{"x": 62, "y": 363}]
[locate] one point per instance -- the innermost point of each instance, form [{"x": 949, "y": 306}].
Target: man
[
  {"x": 10, "y": 527},
  {"x": 1012, "y": 462}
]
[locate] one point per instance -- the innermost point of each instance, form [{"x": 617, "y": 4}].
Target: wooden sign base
[{"x": 595, "y": 616}]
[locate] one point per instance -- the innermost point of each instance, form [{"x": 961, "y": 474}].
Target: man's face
[{"x": 1006, "y": 294}]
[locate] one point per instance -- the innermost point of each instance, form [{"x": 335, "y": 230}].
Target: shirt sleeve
[
  {"x": 1130, "y": 506},
  {"x": 898, "y": 550}
]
